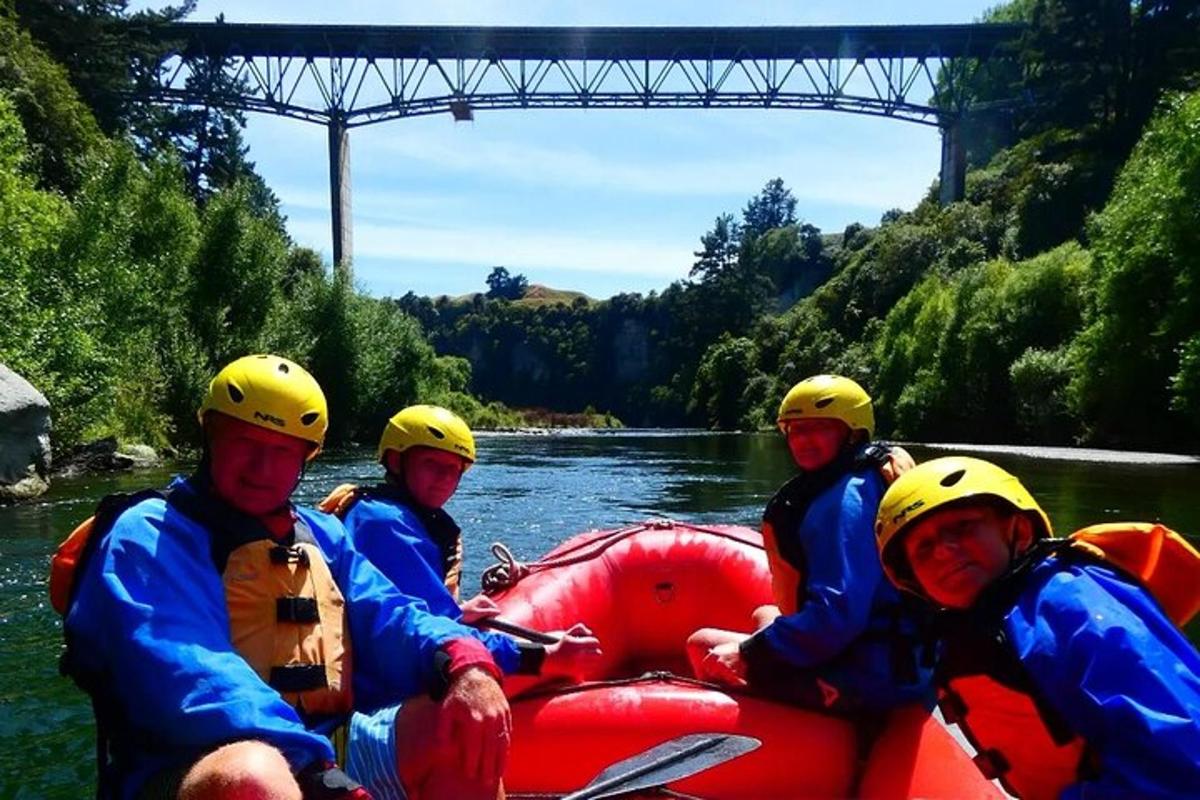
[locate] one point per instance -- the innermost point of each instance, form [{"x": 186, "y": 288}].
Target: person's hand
[
  {"x": 764, "y": 615},
  {"x": 899, "y": 461},
  {"x": 724, "y": 664},
  {"x": 478, "y": 608},
  {"x": 476, "y": 719},
  {"x": 575, "y": 653}
]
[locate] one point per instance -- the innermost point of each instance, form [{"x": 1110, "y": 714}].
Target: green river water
[{"x": 529, "y": 491}]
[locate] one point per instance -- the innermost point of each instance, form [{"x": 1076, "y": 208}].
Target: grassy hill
[{"x": 536, "y": 295}]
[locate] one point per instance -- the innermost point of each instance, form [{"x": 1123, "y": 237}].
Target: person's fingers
[
  {"x": 579, "y": 629},
  {"x": 444, "y": 732},
  {"x": 473, "y": 734},
  {"x": 500, "y": 756}
]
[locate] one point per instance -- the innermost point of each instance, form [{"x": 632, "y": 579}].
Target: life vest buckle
[
  {"x": 300, "y": 610},
  {"x": 282, "y": 554}
]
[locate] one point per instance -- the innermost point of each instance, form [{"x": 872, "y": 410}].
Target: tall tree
[
  {"x": 504, "y": 286},
  {"x": 719, "y": 249},
  {"x": 101, "y": 43},
  {"x": 773, "y": 207}
]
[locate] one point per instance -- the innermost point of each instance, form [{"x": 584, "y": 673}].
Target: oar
[
  {"x": 505, "y": 626},
  {"x": 672, "y": 760}
]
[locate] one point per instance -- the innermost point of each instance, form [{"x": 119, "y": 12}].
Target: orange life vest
[
  {"x": 342, "y": 499},
  {"x": 983, "y": 686},
  {"x": 287, "y": 616}
]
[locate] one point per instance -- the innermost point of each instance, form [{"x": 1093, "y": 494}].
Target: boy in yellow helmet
[
  {"x": 400, "y": 525},
  {"x": 837, "y": 637},
  {"x": 213, "y": 623},
  {"x": 1061, "y": 667}
]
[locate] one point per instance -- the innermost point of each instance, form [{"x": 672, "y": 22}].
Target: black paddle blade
[{"x": 672, "y": 760}]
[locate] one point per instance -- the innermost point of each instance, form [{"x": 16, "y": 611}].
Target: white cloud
[
  {"x": 515, "y": 248},
  {"x": 375, "y": 202},
  {"x": 830, "y": 173}
]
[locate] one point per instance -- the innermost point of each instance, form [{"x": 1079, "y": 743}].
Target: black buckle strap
[
  {"x": 300, "y": 610},
  {"x": 298, "y": 678},
  {"x": 992, "y": 764},
  {"x": 282, "y": 554},
  {"x": 953, "y": 709}
]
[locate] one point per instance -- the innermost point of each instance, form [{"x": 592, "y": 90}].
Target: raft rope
[{"x": 508, "y": 571}]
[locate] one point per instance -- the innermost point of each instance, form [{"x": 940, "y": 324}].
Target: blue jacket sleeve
[
  {"x": 395, "y": 635},
  {"x": 397, "y": 545},
  {"x": 150, "y": 616},
  {"x": 1122, "y": 676},
  {"x": 842, "y": 575}
]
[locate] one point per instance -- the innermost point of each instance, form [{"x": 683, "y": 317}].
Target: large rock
[
  {"x": 104, "y": 455},
  {"x": 24, "y": 438}
]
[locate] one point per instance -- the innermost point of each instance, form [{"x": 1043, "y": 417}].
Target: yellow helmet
[
  {"x": 272, "y": 393},
  {"x": 829, "y": 397},
  {"x": 933, "y": 485},
  {"x": 428, "y": 426}
]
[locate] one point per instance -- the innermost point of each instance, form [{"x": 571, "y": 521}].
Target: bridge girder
[{"x": 361, "y": 74}]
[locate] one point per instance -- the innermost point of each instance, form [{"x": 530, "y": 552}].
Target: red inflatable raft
[{"x": 643, "y": 590}]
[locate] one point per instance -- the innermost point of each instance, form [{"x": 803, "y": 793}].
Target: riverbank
[{"x": 1085, "y": 454}]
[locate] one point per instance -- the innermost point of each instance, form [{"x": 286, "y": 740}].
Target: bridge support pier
[
  {"x": 953, "y": 177},
  {"x": 339, "y": 194}
]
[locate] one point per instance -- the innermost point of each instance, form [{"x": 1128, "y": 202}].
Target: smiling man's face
[
  {"x": 956, "y": 552},
  {"x": 253, "y": 469}
]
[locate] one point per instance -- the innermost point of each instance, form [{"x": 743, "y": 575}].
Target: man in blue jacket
[
  {"x": 1060, "y": 666},
  {"x": 401, "y": 526},
  {"x": 224, "y": 633},
  {"x": 838, "y": 637}
]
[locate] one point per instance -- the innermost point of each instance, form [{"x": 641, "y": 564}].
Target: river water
[{"x": 529, "y": 491}]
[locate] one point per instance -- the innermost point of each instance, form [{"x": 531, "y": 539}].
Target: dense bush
[
  {"x": 964, "y": 358},
  {"x": 121, "y": 302},
  {"x": 1136, "y": 377}
]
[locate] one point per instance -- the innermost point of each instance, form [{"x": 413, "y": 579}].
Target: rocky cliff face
[
  {"x": 24, "y": 438},
  {"x": 631, "y": 351}
]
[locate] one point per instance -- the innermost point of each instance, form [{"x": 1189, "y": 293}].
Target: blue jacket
[
  {"x": 850, "y": 627},
  {"x": 150, "y": 621},
  {"x": 1120, "y": 674},
  {"x": 394, "y": 539}
]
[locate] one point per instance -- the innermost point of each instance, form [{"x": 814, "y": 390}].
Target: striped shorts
[{"x": 372, "y": 753}]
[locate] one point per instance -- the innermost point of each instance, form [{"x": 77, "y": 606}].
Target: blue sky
[{"x": 601, "y": 201}]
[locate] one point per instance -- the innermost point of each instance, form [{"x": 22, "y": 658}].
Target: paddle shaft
[
  {"x": 637, "y": 772},
  {"x": 504, "y": 626}
]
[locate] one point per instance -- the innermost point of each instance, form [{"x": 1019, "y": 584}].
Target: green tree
[
  {"x": 31, "y": 222},
  {"x": 1134, "y": 379},
  {"x": 105, "y": 50},
  {"x": 61, "y": 132},
  {"x": 236, "y": 280},
  {"x": 719, "y": 249},
  {"x": 504, "y": 286},
  {"x": 773, "y": 207},
  {"x": 727, "y": 370}
]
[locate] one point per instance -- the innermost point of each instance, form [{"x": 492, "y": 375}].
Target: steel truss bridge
[{"x": 345, "y": 76}]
